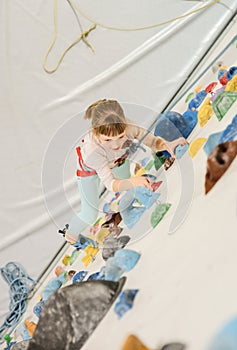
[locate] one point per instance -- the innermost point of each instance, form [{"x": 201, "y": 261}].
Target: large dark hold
[
  {"x": 173, "y": 346},
  {"x": 218, "y": 162},
  {"x": 72, "y": 313},
  {"x": 22, "y": 345}
]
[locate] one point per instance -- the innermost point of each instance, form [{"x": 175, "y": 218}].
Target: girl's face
[{"x": 112, "y": 142}]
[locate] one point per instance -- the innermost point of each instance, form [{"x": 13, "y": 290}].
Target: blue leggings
[{"x": 89, "y": 188}]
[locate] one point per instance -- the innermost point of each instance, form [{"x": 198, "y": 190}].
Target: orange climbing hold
[{"x": 133, "y": 343}]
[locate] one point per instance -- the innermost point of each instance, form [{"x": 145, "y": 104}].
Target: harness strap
[{"x": 82, "y": 172}]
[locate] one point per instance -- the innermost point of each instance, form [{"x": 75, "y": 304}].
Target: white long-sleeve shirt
[{"x": 102, "y": 159}]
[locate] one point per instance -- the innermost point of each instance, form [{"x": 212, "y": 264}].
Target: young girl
[{"x": 104, "y": 157}]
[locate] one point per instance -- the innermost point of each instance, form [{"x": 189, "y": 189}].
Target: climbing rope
[
  {"x": 83, "y": 37},
  {"x": 21, "y": 286},
  {"x": 85, "y": 33},
  {"x": 145, "y": 27}
]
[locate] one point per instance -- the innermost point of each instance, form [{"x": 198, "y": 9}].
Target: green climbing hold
[
  {"x": 149, "y": 165},
  {"x": 190, "y": 95},
  {"x": 159, "y": 213},
  {"x": 8, "y": 338},
  {"x": 223, "y": 103},
  {"x": 74, "y": 256},
  {"x": 159, "y": 159}
]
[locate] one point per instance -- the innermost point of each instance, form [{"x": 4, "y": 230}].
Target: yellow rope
[
  {"x": 83, "y": 36},
  {"x": 146, "y": 27}
]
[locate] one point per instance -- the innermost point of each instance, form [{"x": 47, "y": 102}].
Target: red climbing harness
[{"x": 83, "y": 172}]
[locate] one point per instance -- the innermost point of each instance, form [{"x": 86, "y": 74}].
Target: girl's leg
[
  {"x": 89, "y": 188},
  {"x": 123, "y": 171},
  {"x": 89, "y": 194}
]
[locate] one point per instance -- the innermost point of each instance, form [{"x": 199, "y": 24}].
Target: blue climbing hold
[
  {"x": 212, "y": 141},
  {"x": 96, "y": 276},
  {"x": 79, "y": 276},
  {"x": 230, "y": 133},
  {"x": 197, "y": 100},
  {"x": 123, "y": 260},
  {"x": 172, "y": 125},
  {"x": 38, "y": 308},
  {"x": 180, "y": 150},
  {"x": 83, "y": 242},
  {"x": 125, "y": 301}
]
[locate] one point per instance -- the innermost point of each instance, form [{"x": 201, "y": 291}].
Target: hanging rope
[
  {"x": 84, "y": 34},
  {"x": 83, "y": 37},
  {"x": 21, "y": 286},
  {"x": 145, "y": 27}
]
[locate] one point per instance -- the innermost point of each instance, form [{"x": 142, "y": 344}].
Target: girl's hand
[
  {"x": 133, "y": 181},
  {"x": 143, "y": 181},
  {"x": 164, "y": 145}
]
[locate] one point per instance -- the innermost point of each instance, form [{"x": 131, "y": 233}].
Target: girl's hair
[{"x": 107, "y": 117}]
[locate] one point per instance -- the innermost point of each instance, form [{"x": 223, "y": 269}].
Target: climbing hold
[
  {"x": 131, "y": 214},
  {"x": 22, "y": 345},
  {"x": 216, "y": 94},
  {"x": 195, "y": 146},
  {"x": 149, "y": 165},
  {"x": 133, "y": 343},
  {"x": 38, "y": 308},
  {"x": 180, "y": 150},
  {"x": 125, "y": 301},
  {"x": 58, "y": 270},
  {"x": 211, "y": 87},
  {"x": 101, "y": 235},
  {"x": 112, "y": 244},
  {"x": 205, "y": 112},
  {"x": 159, "y": 213},
  {"x": 159, "y": 160},
  {"x": 226, "y": 338},
  {"x": 90, "y": 254},
  {"x": 197, "y": 100},
  {"x": 212, "y": 141},
  {"x": 80, "y": 308},
  {"x": 223, "y": 103},
  {"x": 79, "y": 276},
  {"x": 66, "y": 260},
  {"x": 230, "y": 132},
  {"x": 218, "y": 162},
  {"x": 84, "y": 242},
  {"x": 97, "y": 276},
  {"x": 189, "y": 96},
  {"x": 30, "y": 325},
  {"x": 74, "y": 256},
  {"x": 123, "y": 261}
]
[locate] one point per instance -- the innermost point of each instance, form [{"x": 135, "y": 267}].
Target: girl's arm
[
  {"x": 153, "y": 142},
  {"x": 163, "y": 145},
  {"x": 97, "y": 160},
  {"x": 133, "y": 181}
]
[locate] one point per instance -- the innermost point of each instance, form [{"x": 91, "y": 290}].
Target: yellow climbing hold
[
  {"x": 232, "y": 84},
  {"x": 205, "y": 112},
  {"x": 102, "y": 234},
  {"x": 141, "y": 171},
  {"x": 114, "y": 206},
  {"x": 198, "y": 88},
  {"x": 195, "y": 146},
  {"x": 66, "y": 260},
  {"x": 90, "y": 254}
]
